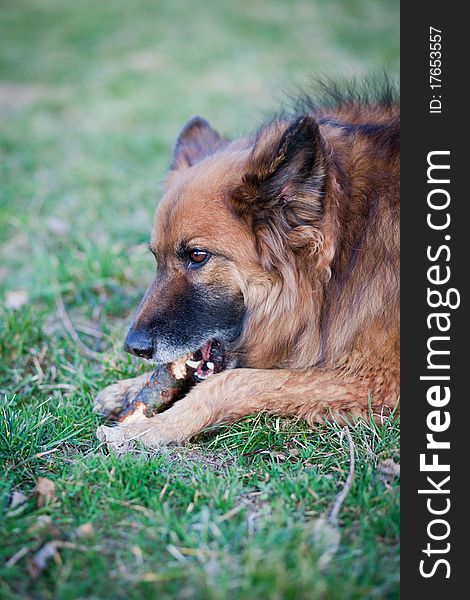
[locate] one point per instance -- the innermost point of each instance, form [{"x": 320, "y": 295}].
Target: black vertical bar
[{"x": 424, "y": 246}]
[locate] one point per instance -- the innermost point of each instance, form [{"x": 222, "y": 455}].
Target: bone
[{"x": 167, "y": 384}]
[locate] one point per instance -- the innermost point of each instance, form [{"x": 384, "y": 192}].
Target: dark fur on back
[{"x": 333, "y": 94}]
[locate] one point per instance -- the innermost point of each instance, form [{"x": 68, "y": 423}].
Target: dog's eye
[{"x": 197, "y": 258}]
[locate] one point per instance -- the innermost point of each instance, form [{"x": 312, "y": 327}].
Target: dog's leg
[
  {"x": 231, "y": 395},
  {"x": 110, "y": 401}
]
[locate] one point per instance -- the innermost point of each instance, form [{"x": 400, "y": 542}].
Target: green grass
[{"x": 92, "y": 95}]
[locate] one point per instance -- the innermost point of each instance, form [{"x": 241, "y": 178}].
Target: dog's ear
[
  {"x": 281, "y": 193},
  {"x": 196, "y": 140},
  {"x": 285, "y": 164}
]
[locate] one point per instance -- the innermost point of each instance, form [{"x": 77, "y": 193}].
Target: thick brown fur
[{"x": 302, "y": 224}]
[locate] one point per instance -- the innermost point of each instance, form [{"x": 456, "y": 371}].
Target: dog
[{"x": 282, "y": 248}]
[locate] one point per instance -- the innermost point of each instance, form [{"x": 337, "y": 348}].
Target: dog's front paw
[
  {"x": 152, "y": 432},
  {"x": 115, "y": 439}
]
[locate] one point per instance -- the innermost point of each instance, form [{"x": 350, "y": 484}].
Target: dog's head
[{"x": 237, "y": 226}]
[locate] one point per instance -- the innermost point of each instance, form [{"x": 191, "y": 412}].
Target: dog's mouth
[{"x": 210, "y": 358}]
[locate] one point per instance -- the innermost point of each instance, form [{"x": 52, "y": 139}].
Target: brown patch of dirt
[{"x": 201, "y": 457}]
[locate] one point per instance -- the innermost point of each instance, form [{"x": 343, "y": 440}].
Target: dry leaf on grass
[
  {"x": 389, "y": 469},
  {"x": 43, "y": 526},
  {"x": 84, "y": 531},
  {"x": 44, "y": 491},
  {"x": 39, "y": 561}
]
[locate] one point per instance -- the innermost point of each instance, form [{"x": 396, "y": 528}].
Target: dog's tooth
[
  {"x": 194, "y": 364},
  {"x": 210, "y": 365}
]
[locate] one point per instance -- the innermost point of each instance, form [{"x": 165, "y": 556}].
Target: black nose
[{"x": 139, "y": 343}]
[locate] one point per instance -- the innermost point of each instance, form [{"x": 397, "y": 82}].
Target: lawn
[{"x": 92, "y": 95}]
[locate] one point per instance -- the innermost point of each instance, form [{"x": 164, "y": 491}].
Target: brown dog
[{"x": 283, "y": 250}]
